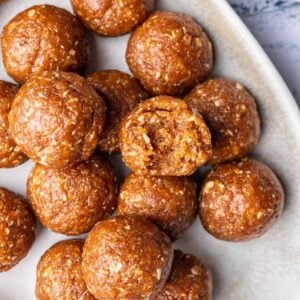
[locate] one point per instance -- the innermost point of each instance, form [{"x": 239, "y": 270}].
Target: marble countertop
[{"x": 276, "y": 25}]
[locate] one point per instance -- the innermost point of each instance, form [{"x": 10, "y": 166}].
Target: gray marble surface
[{"x": 276, "y": 25}]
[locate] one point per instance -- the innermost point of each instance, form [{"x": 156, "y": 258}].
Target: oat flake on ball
[
  {"x": 43, "y": 37},
  {"x": 57, "y": 118},
  {"x": 126, "y": 258},
  {"x": 241, "y": 200},
  {"x": 169, "y": 53},
  {"x": 72, "y": 200}
]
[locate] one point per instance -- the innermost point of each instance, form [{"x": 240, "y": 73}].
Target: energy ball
[
  {"x": 43, "y": 37},
  {"x": 169, "y": 202},
  {"x": 121, "y": 93},
  {"x": 17, "y": 229},
  {"x": 72, "y": 200},
  {"x": 57, "y": 118},
  {"x": 112, "y": 18},
  {"x": 189, "y": 279},
  {"x": 240, "y": 201},
  {"x": 59, "y": 273},
  {"x": 169, "y": 53},
  {"x": 231, "y": 115},
  {"x": 10, "y": 154},
  {"x": 126, "y": 258},
  {"x": 163, "y": 137}
]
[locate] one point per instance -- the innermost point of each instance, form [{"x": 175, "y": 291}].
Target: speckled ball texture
[
  {"x": 231, "y": 115},
  {"x": 169, "y": 53},
  {"x": 163, "y": 137},
  {"x": 57, "y": 118},
  {"x": 189, "y": 279},
  {"x": 169, "y": 202},
  {"x": 121, "y": 93},
  {"x": 10, "y": 154},
  {"x": 240, "y": 201},
  {"x": 72, "y": 200},
  {"x": 43, "y": 37},
  {"x": 17, "y": 229},
  {"x": 126, "y": 258},
  {"x": 112, "y": 18},
  {"x": 59, "y": 273}
]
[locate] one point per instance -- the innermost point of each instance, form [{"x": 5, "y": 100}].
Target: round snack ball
[
  {"x": 126, "y": 258},
  {"x": 10, "y": 154},
  {"x": 169, "y": 53},
  {"x": 17, "y": 229},
  {"x": 240, "y": 201},
  {"x": 163, "y": 137},
  {"x": 169, "y": 202},
  {"x": 121, "y": 93},
  {"x": 57, "y": 118},
  {"x": 72, "y": 200},
  {"x": 230, "y": 113},
  {"x": 59, "y": 273},
  {"x": 112, "y": 18},
  {"x": 43, "y": 37},
  {"x": 189, "y": 279}
]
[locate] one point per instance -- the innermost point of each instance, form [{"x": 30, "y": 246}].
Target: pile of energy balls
[{"x": 167, "y": 121}]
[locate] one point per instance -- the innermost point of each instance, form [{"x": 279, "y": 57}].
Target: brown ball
[
  {"x": 121, "y": 93},
  {"x": 43, "y": 37},
  {"x": 189, "y": 279},
  {"x": 126, "y": 258},
  {"x": 59, "y": 273},
  {"x": 240, "y": 200},
  {"x": 169, "y": 202},
  {"x": 17, "y": 229},
  {"x": 163, "y": 137},
  {"x": 72, "y": 200},
  {"x": 57, "y": 118},
  {"x": 10, "y": 154},
  {"x": 112, "y": 18},
  {"x": 169, "y": 53},
  {"x": 230, "y": 113}
]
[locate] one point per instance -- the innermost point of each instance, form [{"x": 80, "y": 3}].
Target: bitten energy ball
[
  {"x": 17, "y": 229},
  {"x": 169, "y": 53},
  {"x": 72, "y": 200},
  {"x": 189, "y": 279},
  {"x": 43, "y": 37},
  {"x": 169, "y": 202},
  {"x": 163, "y": 137},
  {"x": 112, "y": 18},
  {"x": 230, "y": 113},
  {"x": 126, "y": 258},
  {"x": 59, "y": 273},
  {"x": 57, "y": 118},
  {"x": 240, "y": 200},
  {"x": 10, "y": 154},
  {"x": 121, "y": 93}
]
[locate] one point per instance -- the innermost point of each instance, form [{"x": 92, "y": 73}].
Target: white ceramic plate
[{"x": 267, "y": 268}]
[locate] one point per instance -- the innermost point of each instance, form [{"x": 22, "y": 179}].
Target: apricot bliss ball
[
  {"x": 59, "y": 273},
  {"x": 126, "y": 258},
  {"x": 17, "y": 229},
  {"x": 240, "y": 200},
  {"x": 112, "y": 18},
  {"x": 72, "y": 200},
  {"x": 163, "y": 137},
  {"x": 230, "y": 113},
  {"x": 57, "y": 118},
  {"x": 169, "y": 53},
  {"x": 169, "y": 202},
  {"x": 43, "y": 37},
  {"x": 10, "y": 153}
]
